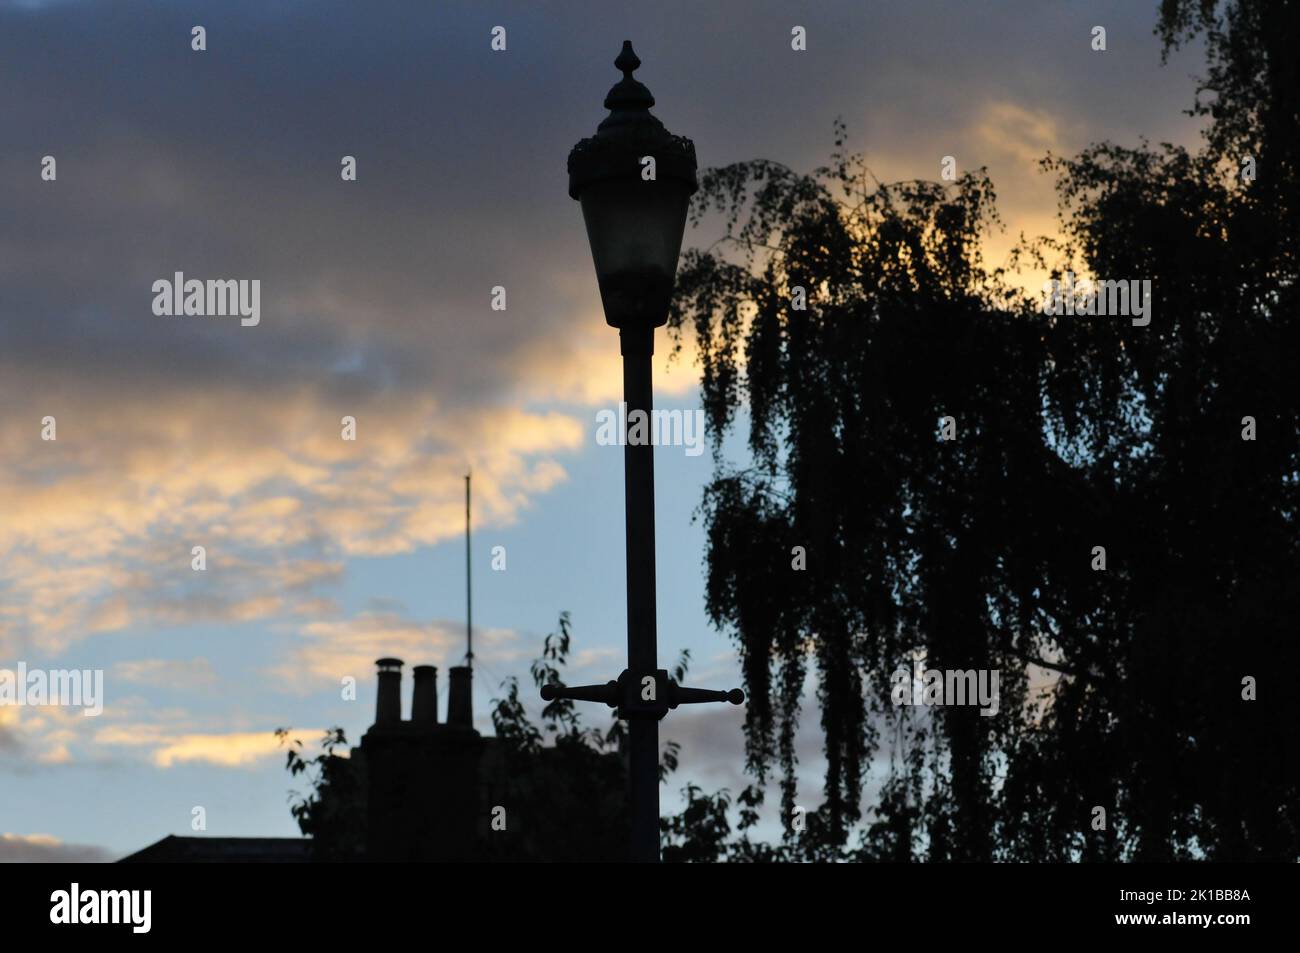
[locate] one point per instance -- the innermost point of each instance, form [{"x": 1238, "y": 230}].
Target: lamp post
[{"x": 635, "y": 180}]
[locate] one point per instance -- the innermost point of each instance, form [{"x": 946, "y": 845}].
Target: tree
[
  {"x": 330, "y": 813},
  {"x": 1210, "y": 517},
  {"x": 847, "y": 319},
  {"x": 567, "y": 780}
]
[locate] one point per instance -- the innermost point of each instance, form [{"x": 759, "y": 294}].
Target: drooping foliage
[{"x": 841, "y": 320}]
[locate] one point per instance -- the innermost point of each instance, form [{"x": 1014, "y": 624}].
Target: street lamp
[{"x": 635, "y": 180}]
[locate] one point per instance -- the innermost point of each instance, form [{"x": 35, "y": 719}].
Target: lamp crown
[{"x": 629, "y": 133}]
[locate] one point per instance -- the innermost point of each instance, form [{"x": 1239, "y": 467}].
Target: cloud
[
  {"x": 44, "y": 849},
  {"x": 9, "y": 741},
  {"x": 166, "y": 748},
  {"x": 326, "y": 651},
  {"x": 173, "y": 674},
  {"x": 233, "y": 750},
  {"x": 174, "y": 432},
  {"x": 133, "y": 728},
  {"x": 42, "y": 735},
  {"x": 1007, "y": 129},
  {"x": 277, "y": 506}
]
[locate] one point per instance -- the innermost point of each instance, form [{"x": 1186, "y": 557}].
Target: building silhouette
[
  {"x": 423, "y": 790},
  {"x": 422, "y": 778}
]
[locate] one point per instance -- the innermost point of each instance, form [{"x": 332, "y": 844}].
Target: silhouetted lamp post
[{"x": 635, "y": 180}]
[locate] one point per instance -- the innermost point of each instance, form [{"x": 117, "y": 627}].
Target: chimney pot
[
  {"x": 460, "y": 709},
  {"x": 424, "y": 697},
  {"x": 388, "y": 703}
]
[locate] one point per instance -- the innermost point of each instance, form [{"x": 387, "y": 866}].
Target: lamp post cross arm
[{"x": 650, "y": 695}]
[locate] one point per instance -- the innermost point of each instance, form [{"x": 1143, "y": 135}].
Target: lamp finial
[{"x": 627, "y": 60}]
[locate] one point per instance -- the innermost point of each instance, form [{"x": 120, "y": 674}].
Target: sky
[{"x": 323, "y": 554}]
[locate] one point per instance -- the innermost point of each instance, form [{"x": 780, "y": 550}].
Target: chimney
[
  {"x": 388, "y": 704},
  {"x": 460, "y": 708},
  {"x": 424, "y": 698}
]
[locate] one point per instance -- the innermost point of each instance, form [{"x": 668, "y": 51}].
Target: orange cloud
[
  {"x": 329, "y": 651},
  {"x": 104, "y": 518}
]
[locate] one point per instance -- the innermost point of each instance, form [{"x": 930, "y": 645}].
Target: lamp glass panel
[{"x": 635, "y": 230}]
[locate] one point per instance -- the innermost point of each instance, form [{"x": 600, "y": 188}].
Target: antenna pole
[{"x": 469, "y": 587}]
